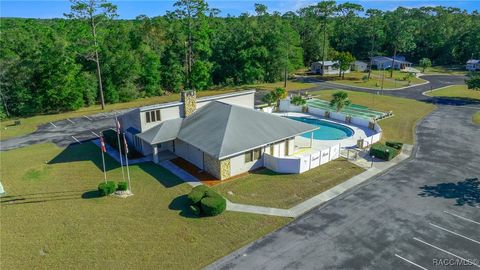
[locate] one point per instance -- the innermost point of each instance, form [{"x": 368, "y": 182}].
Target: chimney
[{"x": 189, "y": 99}]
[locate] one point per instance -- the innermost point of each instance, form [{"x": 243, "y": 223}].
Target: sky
[{"x": 129, "y": 9}]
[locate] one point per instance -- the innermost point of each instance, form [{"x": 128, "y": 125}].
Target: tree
[
  {"x": 400, "y": 33},
  {"x": 340, "y": 100},
  {"x": 192, "y": 14},
  {"x": 324, "y": 10},
  {"x": 298, "y": 100},
  {"x": 374, "y": 32},
  {"x": 269, "y": 98},
  {"x": 345, "y": 61},
  {"x": 93, "y": 12},
  {"x": 425, "y": 63}
]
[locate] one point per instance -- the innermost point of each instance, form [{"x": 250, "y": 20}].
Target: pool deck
[{"x": 359, "y": 133}]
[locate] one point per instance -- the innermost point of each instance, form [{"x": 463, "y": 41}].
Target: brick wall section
[
  {"x": 189, "y": 99},
  {"x": 220, "y": 169}
]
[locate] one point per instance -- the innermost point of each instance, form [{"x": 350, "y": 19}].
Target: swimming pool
[{"x": 327, "y": 131}]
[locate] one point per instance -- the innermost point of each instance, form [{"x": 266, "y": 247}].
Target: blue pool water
[{"x": 327, "y": 131}]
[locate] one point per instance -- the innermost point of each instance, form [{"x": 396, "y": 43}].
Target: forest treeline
[{"x": 46, "y": 64}]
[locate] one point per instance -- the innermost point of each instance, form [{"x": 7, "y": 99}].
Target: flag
[
  {"x": 102, "y": 145},
  {"x": 126, "y": 144},
  {"x": 118, "y": 126}
]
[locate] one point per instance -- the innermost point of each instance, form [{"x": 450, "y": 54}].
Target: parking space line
[
  {"x": 464, "y": 218},
  {"x": 68, "y": 119},
  {"x": 53, "y": 124},
  {"x": 88, "y": 117},
  {"x": 410, "y": 262},
  {"x": 95, "y": 134},
  {"x": 445, "y": 251},
  {"x": 76, "y": 140},
  {"x": 457, "y": 234}
]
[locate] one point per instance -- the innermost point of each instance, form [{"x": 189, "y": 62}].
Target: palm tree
[{"x": 340, "y": 100}]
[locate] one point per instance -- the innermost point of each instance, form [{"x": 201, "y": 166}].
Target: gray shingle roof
[
  {"x": 163, "y": 132},
  {"x": 222, "y": 130}
]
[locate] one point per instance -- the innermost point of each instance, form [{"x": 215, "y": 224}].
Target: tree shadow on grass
[
  {"x": 181, "y": 204},
  {"x": 465, "y": 192},
  {"x": 92, "y": 194}
]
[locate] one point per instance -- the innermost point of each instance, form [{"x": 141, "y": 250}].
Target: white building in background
[
  {"x": 473, "y": 65},
  {"x": 326, "y": 68}
]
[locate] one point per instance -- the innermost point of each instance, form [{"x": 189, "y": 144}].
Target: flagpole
[
  {"x": 126, "y": 161},
  {"x": 102, "y": 145},
  {"x": 117, "y": 124}
]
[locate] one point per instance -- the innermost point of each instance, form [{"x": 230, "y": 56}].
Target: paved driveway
[{"x": 423, "y": 210}]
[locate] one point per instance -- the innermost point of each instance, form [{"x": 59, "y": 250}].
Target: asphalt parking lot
[
  {"x": 65, "y": 132},
  {"x": 421, "y": 214}
]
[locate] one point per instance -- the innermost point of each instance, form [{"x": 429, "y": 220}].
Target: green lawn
[
  {"x": 354, "y": 78},
  {"x": 46, "y": 224},
  {"x": 452, "y": 70},
  {"x": 291, "y": 85},
  {"x": 407, "y": 112},
  {"x": 456, "y": 91},
  {"x": 268, "y": 188},
  {"x": 476, "y": 118}
]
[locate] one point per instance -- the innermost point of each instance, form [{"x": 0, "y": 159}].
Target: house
[
  {"x": 360, "y": 66},
  {"x": 223, "y": 135},
  {"x": 383, "y": 62},
  {"x": 331, "y": 67},
  {"x": 473, "y": 65}
]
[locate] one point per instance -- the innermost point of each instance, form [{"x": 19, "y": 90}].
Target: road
[{"x": 422, "y": 214}]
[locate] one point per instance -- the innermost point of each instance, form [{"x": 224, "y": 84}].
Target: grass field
[
  {"x": 354, "y": 78},
  {"x": 452, "y": 70},
  {"x": 407, "y": 112},
  {"x": 476, "y": 118},
  {"x": 291, "y": 85},
  {"x": 267, "y": 188},
  {"x": 51, "y": 218},
  {"x": 456, "y": 91}
]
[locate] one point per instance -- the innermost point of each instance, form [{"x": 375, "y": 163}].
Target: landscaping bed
[{"x": 267, "y": 188}]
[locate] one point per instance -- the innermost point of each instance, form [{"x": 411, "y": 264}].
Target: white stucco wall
[
  {"x": 238, "y": 165},
  {"x": 245, "y": 100},
  {"x": 165, "y": 114},
  {"x": 189, "y": 153}
]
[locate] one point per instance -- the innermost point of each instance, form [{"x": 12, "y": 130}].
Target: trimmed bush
[
  {"x": 122, "y": 186},
  {"x": 197, "y": 194},
  {"x": 394, "y": 144},
  {"x": 212, "y": 206},
  {"x": 107, "y": 188},
  {"x": 383, "y": 152},
  {"x": 196, "y": 210},
  {"x": 205, "y": 201}
]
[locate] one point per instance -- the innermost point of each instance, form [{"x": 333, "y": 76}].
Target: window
[
  {"x": 256, "y": 154},
  {"x": 153, "y": 116},
  {"x": 147, "y": 114},
  {"x": 253, "y": 155}
]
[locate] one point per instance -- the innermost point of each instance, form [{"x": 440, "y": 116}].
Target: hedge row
[
  {"x": 384, "y": 152},
  {"x": 110, "y": 186},
  {"x": 394, "y": 144},
  {"x": 205, "y": 201}
]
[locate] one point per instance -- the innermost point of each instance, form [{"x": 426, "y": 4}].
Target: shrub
[
  {"x": 204, "y": 200},
  {"x": 394, "y": 144},
  {"x": 212, "y": 206},
  {"x": 122, "y": 186},
  {"x": 107, "y": 188},
  {"x": 383, "y": 152},
  {"x": 197, "y": 194}
]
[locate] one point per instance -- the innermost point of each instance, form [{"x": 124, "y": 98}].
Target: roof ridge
[{"x": 230, "y": 106}]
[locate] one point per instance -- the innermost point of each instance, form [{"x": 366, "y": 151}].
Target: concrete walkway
[{"x": 301, "y": 208}]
